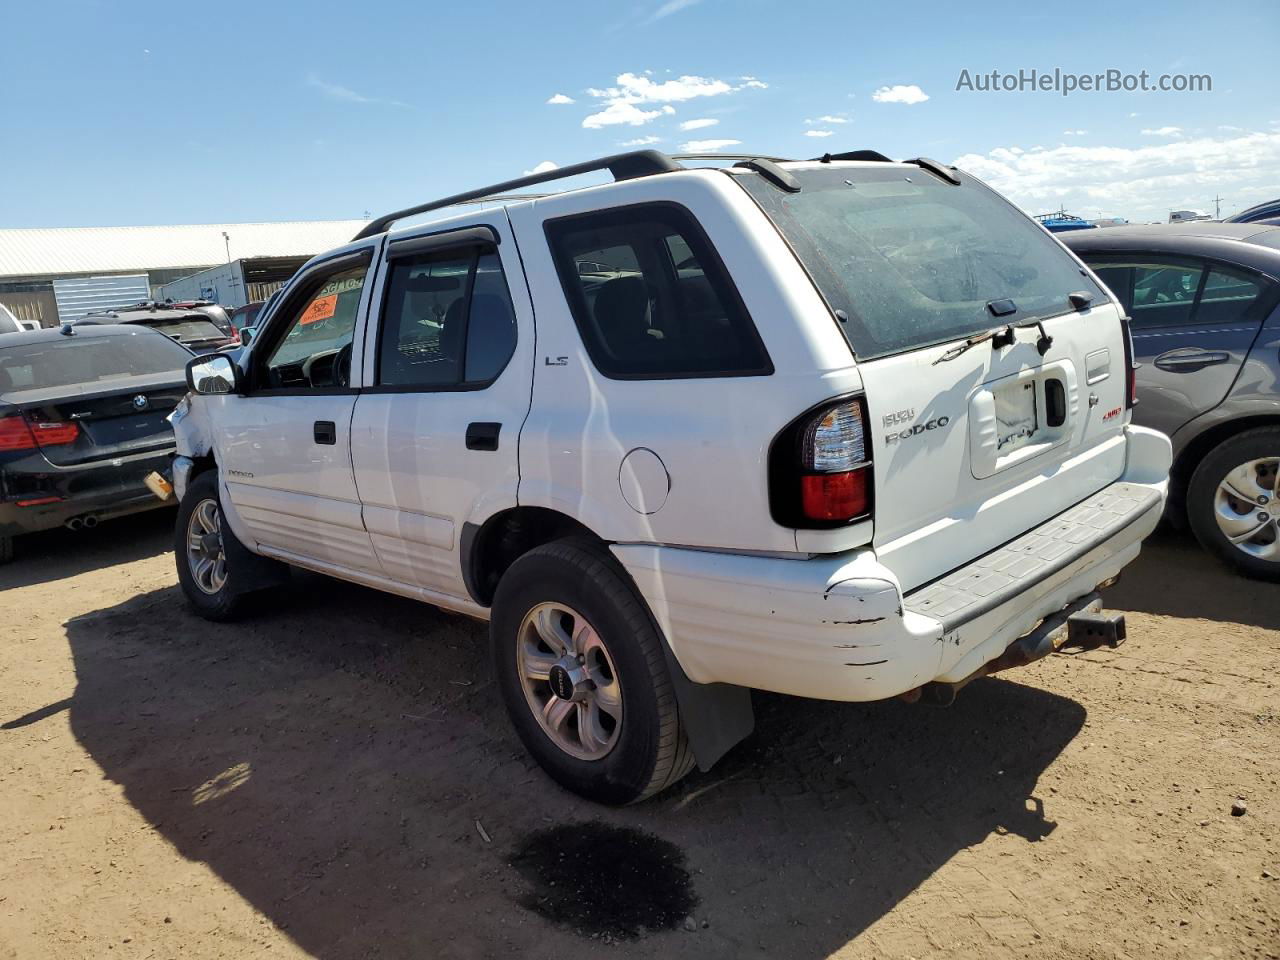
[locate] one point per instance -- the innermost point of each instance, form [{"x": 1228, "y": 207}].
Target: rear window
[
  {"x": 909, "y": 260},
  {"x": 86, "y": 359},
  {"x": 651, "y": 298},
  {"x": 188, "y": 328}
]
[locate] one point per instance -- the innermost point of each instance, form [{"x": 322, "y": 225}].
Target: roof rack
[
  {"x": 731, "y": 156},
  {"x": 873, "y": 155},
  {"x": 623, "y": 166}
]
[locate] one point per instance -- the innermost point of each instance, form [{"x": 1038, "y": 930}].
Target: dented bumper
[{"x": 840, "y": 628}]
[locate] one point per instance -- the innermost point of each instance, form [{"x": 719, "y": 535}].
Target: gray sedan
[{"x": 1204, "y": 303}]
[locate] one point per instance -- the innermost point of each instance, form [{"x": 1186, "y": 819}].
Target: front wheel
[
  {"x": 200, "y": 549},
  {"x": 1232, "y": 505},
  {"x": 582, "y": 672}
]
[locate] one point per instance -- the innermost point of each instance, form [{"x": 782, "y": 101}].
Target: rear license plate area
[{"x": 1016, "y": 414}]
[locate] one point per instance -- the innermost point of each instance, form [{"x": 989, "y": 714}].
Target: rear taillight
[
  {"x": 55, "y": 434},
  {"x": 17, "y": 434},
  {"x": 1130, "y": 368},
  {"x": 820, "y": 468},
  {"x": 235, "y": 335}
]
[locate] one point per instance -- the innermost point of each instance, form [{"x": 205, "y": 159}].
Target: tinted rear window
[
  {"x": 85, "y": 359},
  {"x": 188, "y": 328},
  {"x": 651, "y": 298},
  {"x": 912, "y": 260}
]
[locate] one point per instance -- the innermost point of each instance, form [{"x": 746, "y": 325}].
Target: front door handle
[
  {"x": 483, "y": 436},
  {"x": 1184, "y": 360},
  {"x": 326, "y": 432}
]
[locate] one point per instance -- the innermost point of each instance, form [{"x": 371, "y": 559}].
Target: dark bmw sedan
[
  {"x": 82, "y": 424},
  {"x": 1204, "y": 305}
]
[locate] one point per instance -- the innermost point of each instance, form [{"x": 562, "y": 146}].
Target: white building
[{"x": 62, "y": 273}]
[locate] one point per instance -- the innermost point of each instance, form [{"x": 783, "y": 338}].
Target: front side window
[
  {"x": 315, "y": 349},
  {"x": 651, "y": 298},
  {"x": 447, "y": 321}
]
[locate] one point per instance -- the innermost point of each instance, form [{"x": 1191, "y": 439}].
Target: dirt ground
[{"x": 310, "y": 784}]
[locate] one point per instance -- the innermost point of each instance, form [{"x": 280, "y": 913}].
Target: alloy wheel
[
  {"x": 569, "y": 681},
  {"x": 205, "y": 555}
]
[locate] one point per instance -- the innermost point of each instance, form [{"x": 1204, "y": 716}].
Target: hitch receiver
[{"x": 1090, "y": 629}]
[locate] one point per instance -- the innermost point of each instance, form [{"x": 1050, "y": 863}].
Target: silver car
[{"x": 1204, "y": 303}]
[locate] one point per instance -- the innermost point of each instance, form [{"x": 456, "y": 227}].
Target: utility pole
[
  {"x": 227, "y": 240},
  {"x": 1217, "y": 207}
]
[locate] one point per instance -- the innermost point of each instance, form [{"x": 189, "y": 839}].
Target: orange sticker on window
[{"x": 321, "y": 308}]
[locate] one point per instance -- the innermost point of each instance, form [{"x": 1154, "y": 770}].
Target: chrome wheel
[
  {"x": 205, "y": 556},
  {"x": 569, "y": 681},
  {"x": 1246, "y": 510}
]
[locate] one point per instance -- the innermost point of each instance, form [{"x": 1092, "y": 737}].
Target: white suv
[{"x": 848, "y": 429}]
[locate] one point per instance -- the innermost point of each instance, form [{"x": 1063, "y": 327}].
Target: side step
[{"x": 1079, "y": 627}]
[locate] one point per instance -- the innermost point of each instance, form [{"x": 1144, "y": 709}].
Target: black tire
[
  {"x": 227, "y": 603},
  {"x": 6, "y": 549},
  {"x": 1257, "y": 444},
  {"x": 651, "y": 751}
]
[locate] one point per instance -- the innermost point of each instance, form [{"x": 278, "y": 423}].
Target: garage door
[{"x": 80, "y": 295}]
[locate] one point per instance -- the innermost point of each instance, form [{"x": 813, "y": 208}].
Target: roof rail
[
  {"x": 623, "y": 166},
  {"x": 874, "y": 155},
  {"x": 730, "y": 156}
]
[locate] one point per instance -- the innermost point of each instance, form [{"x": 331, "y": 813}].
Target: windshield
[
  {"x": 912, "y": 260},
  {"x": 86, "y": 359}
]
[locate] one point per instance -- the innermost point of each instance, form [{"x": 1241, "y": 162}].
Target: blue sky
[{"x": 142, "y": 112}]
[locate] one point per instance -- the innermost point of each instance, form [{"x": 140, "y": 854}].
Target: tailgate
[{"x": 973, "y": 451}]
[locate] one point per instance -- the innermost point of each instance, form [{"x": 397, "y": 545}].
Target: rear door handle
[
  {"x": 326, "y": 432},
  {"x": 1178, "y": 361},
  {"x": 483, "y": 436}
]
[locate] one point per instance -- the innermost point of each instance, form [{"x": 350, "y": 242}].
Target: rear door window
[{"x": 651, "y": 298}]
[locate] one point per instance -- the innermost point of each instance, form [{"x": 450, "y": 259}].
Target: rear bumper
[
  {"x": 840, "y": 628},
  {"x": 102, "y": 490}
]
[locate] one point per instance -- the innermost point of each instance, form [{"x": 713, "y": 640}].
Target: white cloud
[
  {"x": 900, "y": 93},
  {"x": 1140, "y": 183},
  {"x": 698, "y": 124},
  {"x": 818, "y": 133},
  {"x": 1162, "y": 132},
  {"x": 1132, "y": 115},
  {"x": 640, "y": 142},
  {"x": 560, "y": 98},
  {"x": 623, "y": 103},
  {"x": 1074, "y": 133},
  {"x": 670, "y": 7},
  {"x": 544, "y": 167},
  {"x": 620, "y": 112},
  {"x": 827, "y": 119},
  {"x": 1227, "y": 128},
  {"x": 343, "y": 94},
  {"x": 707, "y": 146}
]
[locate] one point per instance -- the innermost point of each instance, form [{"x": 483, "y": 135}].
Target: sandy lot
[{"x": 309, "y": 784}]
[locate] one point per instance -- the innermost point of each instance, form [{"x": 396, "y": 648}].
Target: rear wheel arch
[{"x": 488, "y": 550}]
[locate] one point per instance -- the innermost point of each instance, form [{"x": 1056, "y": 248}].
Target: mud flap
[{"x": 715, "y": 716}]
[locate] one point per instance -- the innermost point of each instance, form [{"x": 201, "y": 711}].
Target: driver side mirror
[{"x": 213, "y": 374}]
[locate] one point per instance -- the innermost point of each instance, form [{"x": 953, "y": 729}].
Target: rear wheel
[
  {"x": 583, "y": 675},
  {"x": 1232, "y": 505},
  {"x": 200, "y": 549}
]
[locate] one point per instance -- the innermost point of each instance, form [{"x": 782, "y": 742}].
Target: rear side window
[
  {"x": 1177, "y": 293},
  {"x": 910, "y": 260},
  {"x": 651, "y": 298},
  {"x": 447, "y": 321}
]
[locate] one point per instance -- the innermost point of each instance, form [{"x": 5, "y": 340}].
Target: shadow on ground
[
  {"x": 330, "y": 762},
  {"x": 1175, "y": 577},
  {"x": 58, "y": 554}
]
